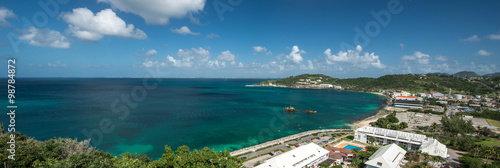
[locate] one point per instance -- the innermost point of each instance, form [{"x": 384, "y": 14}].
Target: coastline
[
  {"x": 383, "y": 112},
  {"x": 386, "y": 110}
]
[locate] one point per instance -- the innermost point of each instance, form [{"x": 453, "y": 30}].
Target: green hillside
[{"x": 409, "y": 82}]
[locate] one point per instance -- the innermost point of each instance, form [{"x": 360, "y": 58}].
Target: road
[
  {"x": 454, "y": 157},
  {"x": 301, "y": 141}
]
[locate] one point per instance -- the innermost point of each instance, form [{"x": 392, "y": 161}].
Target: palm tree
[
  {"x": 434, "y": 127},
  {"x": 476, "y": 150},
  {"x": 490, "y": 151}
]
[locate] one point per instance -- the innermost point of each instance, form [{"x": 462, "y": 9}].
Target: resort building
[
  {"x": 389, "y": 156},
  {"x": 309, "y": 155},
  {"x": 412, "y": 141},
  {"x": 408, "y": 104},
  {"x": 339, "y": 155}
]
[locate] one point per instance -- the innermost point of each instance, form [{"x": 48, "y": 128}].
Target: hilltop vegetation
[
  {"x": 409, "y": 82},
  {"x": 71, "y": 153}
]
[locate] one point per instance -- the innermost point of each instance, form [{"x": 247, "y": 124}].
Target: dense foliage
[
  {"x": 485, "y": 114},
  {"x": 71, "y": 153},
  {"x": 390, "y": 122},
  {"x": 409, "y": 82}
]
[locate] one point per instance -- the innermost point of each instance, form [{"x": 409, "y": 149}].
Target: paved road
[
  {"x": 301, "y": 141},
  {"x": 281, "y": 140},
  {"x": 454, "y": 158}
]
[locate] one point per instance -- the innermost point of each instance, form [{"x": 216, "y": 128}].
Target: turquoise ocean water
[{"x": 120, "y": 115}]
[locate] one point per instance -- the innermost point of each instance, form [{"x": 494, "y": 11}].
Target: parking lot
[{"x": 418, "y": 119}]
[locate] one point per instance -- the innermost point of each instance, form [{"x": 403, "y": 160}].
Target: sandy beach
[{"x": 381, "y": 113}]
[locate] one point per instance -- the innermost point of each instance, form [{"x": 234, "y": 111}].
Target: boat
[
  {"x": 310, "y": 111},
  {"x": 292, "y": 109},
  {"x": 289, "y": 109}
]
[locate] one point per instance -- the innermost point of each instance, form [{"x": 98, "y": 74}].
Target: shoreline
[
  {"x": 383, "y": 112},
  {"x": 386, "y": 110}
]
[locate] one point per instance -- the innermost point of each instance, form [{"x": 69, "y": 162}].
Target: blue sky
[{"x": 243, "y": 38}]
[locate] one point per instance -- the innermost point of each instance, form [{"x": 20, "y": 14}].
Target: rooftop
[
  {"x": 389, "y": 156},
  {"x": 298, "y": 157},
  {"x": 393, "y": 134}
]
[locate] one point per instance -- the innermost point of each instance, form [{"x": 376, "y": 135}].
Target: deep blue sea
[{"x": 133, "y": 115}]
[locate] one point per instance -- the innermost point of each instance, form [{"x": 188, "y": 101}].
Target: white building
[
  {"x": 326, "y": 85},
  {"x": 458, "y": 96},
  {"x": 387, "y": 136},
  {"x": 389, "y": 156},
  {"x": 304, "y": 156},
  {"x": 434, "y": 148},
  {"x": 412, "y": 141}
]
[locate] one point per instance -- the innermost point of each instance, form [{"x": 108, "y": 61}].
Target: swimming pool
[{"x": 351, "y": 147}]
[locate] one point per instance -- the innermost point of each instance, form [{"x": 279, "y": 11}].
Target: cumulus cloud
[
  {"x": 483, "y": 53},
  {"x": 57, "y": 64},
  {"x": 45, "y": 38},
  {"x": 84, "y": 25},
  {"x": 295, "y": 56},
  {"x": 158, "y": 11},
  {"x": 151, "y": 52},
  {"x": 4, "y": 15},
  {"x": 211, "y": 36},
  {"x": 184, "y": 30},
  {"x": 441, "y": 58},
  {"x": 226, "y": 56},
  {"x": 418, "y": 56},
  {"x": 402, "y": 45},
  {"x": 357, "y": 58},
  {"x": 473, "y": 38},
  {"x": 259, "y": 49},
  {"x": 195, "y": 57},
  {"x": 494, "y": 36}
]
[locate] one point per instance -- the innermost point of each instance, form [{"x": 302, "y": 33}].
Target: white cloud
[
  {"x": 158, "y": 11},
  {"x": 226, "y": 56},
  {"x": 4, "y": 15},
  {"x": 441, "y": 58},
  {"x": 357, "y": 57},
  {"x": 84, "y": 25},
  {"x": 183, "y": 30},
  {"x": 196, "y": 57},
  {"x": 473, "y": 38},
  {"x": 310, "y": 65},
  {"x": 483, "y": 53},
  {"x": 494, "y": 36},
  {"x": 259, "y": 49},
  {"x": 402, "y": 45},
  {"x": 295, "y": 55},
  {"x": 211, "y": 36},
  {"x": 45, "y": 38},
  {"x": 58, "y": 64},
  {"x": 418, "y": 56},
  {"x": 151, "y": 52}
]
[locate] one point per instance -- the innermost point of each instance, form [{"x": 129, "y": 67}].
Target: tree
[
  {"x": 324, "y": 165},
  {"x": 372, "y": 140},
  {"x": 257, "y": 163},
  {"x": 403, "y": 125}
]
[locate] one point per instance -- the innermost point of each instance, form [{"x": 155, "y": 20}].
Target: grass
[
  {"x": 494, "y": 123},
  {"x": 490, "y": 142}
]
